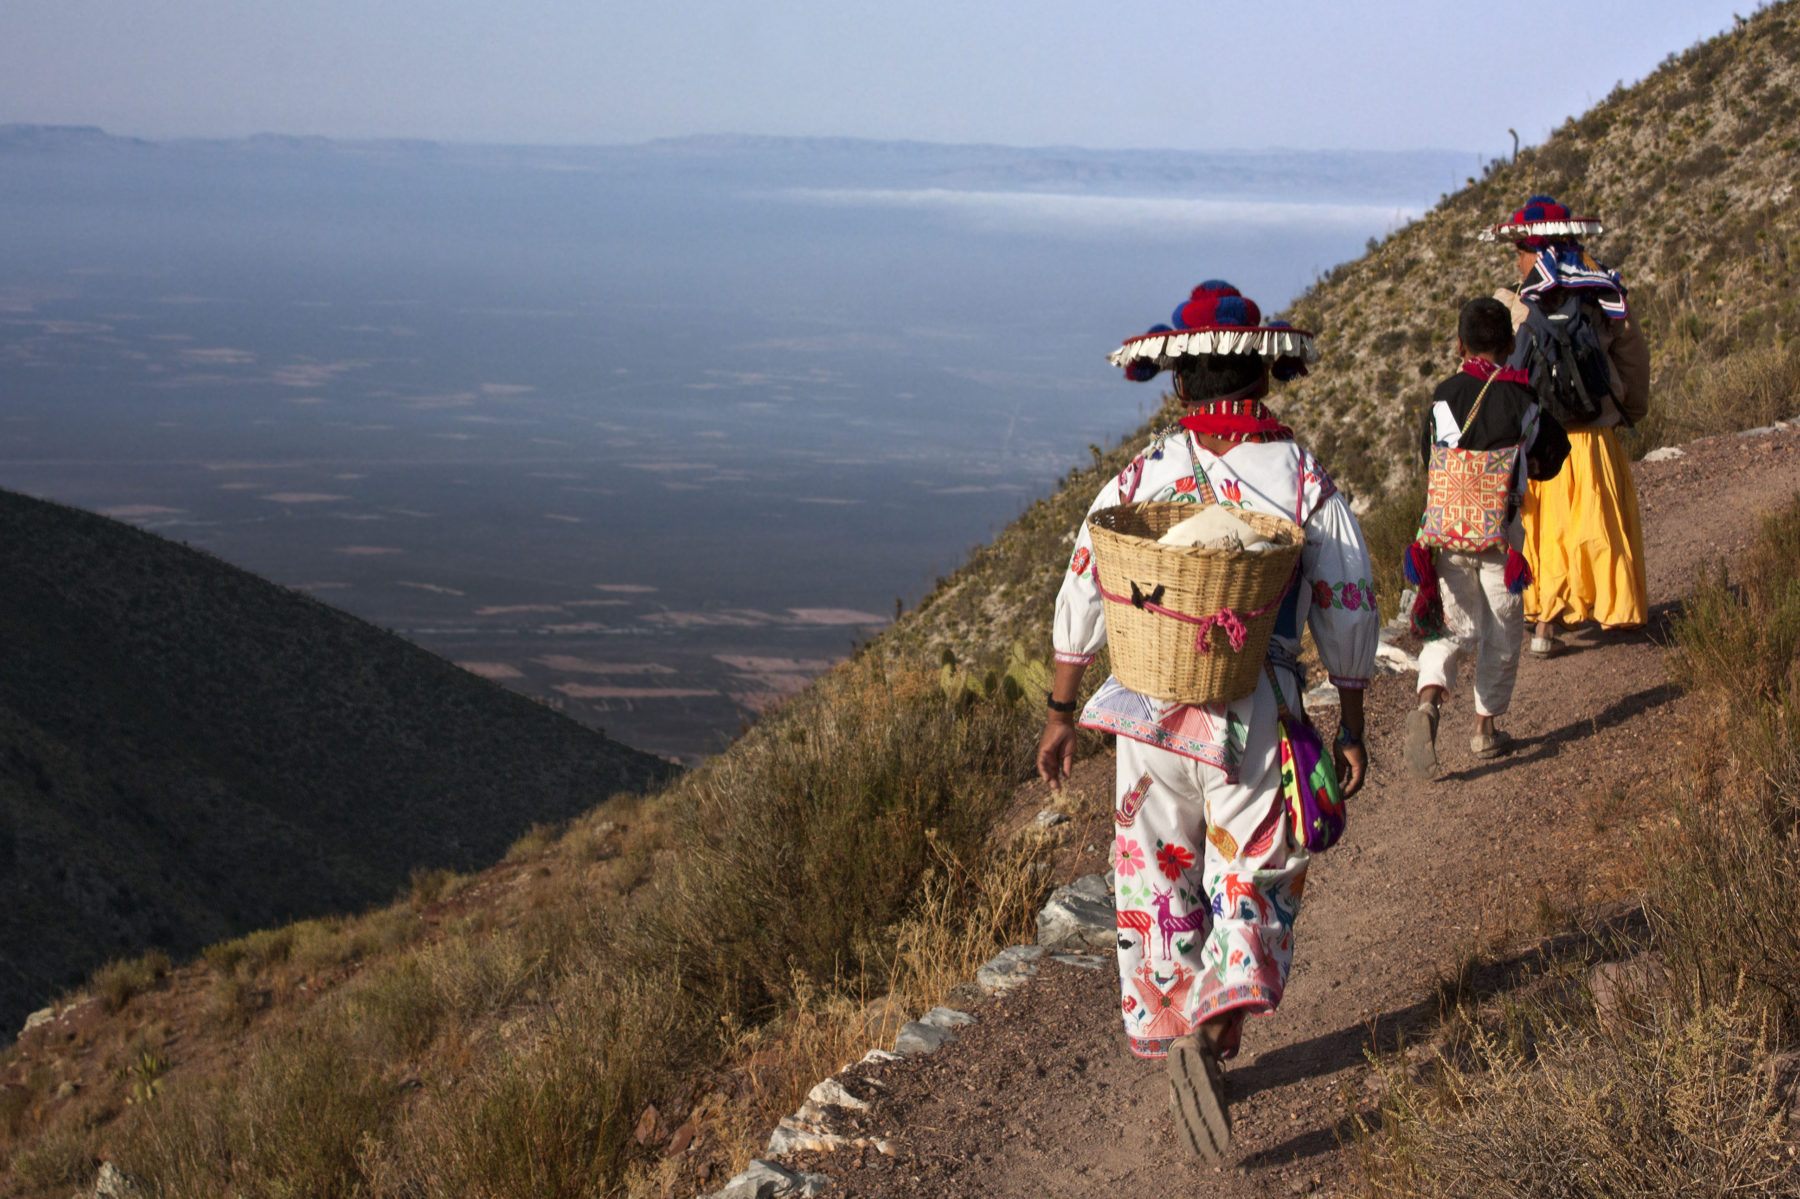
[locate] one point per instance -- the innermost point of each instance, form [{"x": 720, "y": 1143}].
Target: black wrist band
[{"x": 1060, "y": 705}]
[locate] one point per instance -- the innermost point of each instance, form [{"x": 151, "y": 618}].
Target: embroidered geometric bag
[{"x": 1468, "y": 494}]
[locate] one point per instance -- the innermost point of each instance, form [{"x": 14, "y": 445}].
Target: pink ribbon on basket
[{"x": 1231, "y": 622}]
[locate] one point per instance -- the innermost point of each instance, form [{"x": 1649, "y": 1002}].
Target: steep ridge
[{"x": 188, "y": 752}]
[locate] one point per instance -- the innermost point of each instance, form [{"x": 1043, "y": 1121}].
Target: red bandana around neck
[
  {"x": 1482, "y": 369},
  {"x": 1236, "y": 420}
]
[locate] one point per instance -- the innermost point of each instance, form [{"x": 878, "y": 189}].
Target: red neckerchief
[
  {"x": 1236, "y": 420},
  {"x": 1482, "y": 369}
]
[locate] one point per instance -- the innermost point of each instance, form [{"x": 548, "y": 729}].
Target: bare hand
[
  {"x": 1352, "y": 762},
  {"x": 1056, "y": 752}
]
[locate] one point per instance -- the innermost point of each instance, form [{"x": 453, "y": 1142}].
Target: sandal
[
  {"x": 1421, "y": 742},
  {"x": 1490, "y": 745},
  {"x": 1544, "y": 647},
  {"x": 1197, "y": 1099}
]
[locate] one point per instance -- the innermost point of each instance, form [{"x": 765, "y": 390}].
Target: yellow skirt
[{"x": 1584, "y": 540}]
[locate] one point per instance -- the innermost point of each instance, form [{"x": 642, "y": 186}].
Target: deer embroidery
[
  {"x": 1137, "y": 922},
  {"x": 1197, "y": 921},
  {"x": 1238, "y": 887}
]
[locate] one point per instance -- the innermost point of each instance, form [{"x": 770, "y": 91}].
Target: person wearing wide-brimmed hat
[
  {"x": 1209, "y": 874},
  {"x": 1584, "y": 539}
]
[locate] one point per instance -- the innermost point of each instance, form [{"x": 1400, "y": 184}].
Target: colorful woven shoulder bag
[
  {"x": 1309, "y": 782},
  {"x": 1469, "y": 494}
]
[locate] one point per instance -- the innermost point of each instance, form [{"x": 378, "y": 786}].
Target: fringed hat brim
[
  {"x": 1513, "y": 230},
  {"x": 1166, "y": 350}
]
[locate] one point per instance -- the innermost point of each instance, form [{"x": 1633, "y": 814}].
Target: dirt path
[{"x": 1041, "y": 1097}]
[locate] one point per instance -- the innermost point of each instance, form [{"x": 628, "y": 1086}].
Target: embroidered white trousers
[
  {"x": 1207, "y": 889},
  {"x": 1481, "y": 619}
]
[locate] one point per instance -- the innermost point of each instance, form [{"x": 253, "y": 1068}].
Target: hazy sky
[{"x": 1194, "y": 75}]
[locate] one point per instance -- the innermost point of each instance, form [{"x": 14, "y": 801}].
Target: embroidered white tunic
[{"x": 1335, "y": 596}]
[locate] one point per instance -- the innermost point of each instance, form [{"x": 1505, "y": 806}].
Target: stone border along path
[
  {"x": 1079, "y": 917},
  {"x": 1078, "y": 920}
]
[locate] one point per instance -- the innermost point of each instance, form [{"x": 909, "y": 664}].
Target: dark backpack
[{"x": 1560, "y": 350}]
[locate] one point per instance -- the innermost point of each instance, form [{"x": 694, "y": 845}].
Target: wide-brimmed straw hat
[
  {"x": 1215, "y": 319},
  {"x": 1542, "y": 218}
]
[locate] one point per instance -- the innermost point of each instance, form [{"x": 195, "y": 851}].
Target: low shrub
[
  {"x": 299, "y": 1121},
  {"x": 118, "y": 981},
  {"x": 1558, "y": 1107},
  {"x": 552, "y": 1120},
  {"x": 804, "y": 853},
  {"x": 255, "y": 951},
  {"x": 1725, "y": 912},
  {"x": 395, "y": 1011}
]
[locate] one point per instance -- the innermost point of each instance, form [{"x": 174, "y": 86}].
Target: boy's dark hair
[
  {"x": 1485, "y": 327},
  {"x": 1218, "y": 375}
]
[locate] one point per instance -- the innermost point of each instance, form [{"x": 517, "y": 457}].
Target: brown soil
[{"x": 1041, "y": 1098}]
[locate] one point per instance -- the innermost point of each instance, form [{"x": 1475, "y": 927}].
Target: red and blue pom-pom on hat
[
  {"x": 1216, "y": 318},
  {"x": 1541, "y": 220},
  {"x": 1540, "y": 208},
  {"x": 1215, "y": 304}
]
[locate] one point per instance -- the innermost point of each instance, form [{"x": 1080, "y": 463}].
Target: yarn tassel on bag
[
  {"x": 1427, "y": 614},
  {"x": 1518, "y": 572}
]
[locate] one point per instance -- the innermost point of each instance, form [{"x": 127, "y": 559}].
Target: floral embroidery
[
  {"x": 1173, "y": 859},
  {"x": 1348, "y": 596},
  {"x": 1234, "y": 494},
  {"x": 1173, "y": 494},
  {"x": 1185, "y": 486},
  {"x": 1127, "y": 857},
  {"x": 1079, "y": 563}
]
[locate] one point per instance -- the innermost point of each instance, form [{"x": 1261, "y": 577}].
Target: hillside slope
[
  {"x": 1694, "y": 172},
  {"x": 188, "y": 752}
]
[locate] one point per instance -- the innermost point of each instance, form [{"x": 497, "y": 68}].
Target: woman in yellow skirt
[{"x": 1584, "y": 541}]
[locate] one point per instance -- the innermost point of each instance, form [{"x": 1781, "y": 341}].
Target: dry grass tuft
[
  {"x": 1547, "y": 1107},
  {"x": 118, "y": 981}
]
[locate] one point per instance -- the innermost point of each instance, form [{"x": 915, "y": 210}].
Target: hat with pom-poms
[
  {"x": 1542, "y": 219},
  {"x": 1216, "y": 318}
]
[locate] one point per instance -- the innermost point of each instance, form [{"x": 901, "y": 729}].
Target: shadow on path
[
  {"x": 1544, "y": 746},
  {"x": 1615, "y": 936}
]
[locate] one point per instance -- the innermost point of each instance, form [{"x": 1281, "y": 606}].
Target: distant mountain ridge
[
  {"x": 188, "y": 752},
  {"x": 1346, "y": 175}
]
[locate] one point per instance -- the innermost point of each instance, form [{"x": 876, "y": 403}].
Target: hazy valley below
[{"x": 651, "y": 433}]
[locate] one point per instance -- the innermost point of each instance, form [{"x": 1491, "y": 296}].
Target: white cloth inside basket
[{"x": 1216, "y": 527}]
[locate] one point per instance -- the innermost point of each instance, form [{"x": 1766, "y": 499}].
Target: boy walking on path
[{"x": 1483, "y": 407}]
